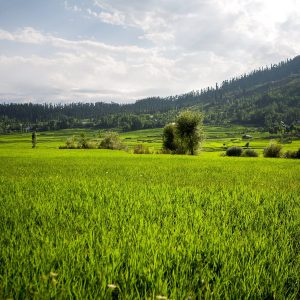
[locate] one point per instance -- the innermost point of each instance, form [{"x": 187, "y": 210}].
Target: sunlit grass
[
  {"x": 100, "y": 224},
  {"x": 217, "y": 138}
]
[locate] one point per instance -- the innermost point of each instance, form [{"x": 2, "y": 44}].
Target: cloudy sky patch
[{"x": 101, "y": 50}]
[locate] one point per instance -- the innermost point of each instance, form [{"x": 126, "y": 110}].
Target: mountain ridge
[{"x": 263, "y": 97}]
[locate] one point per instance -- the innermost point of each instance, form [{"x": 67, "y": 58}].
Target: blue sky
[{"x": 113, "y": 50}]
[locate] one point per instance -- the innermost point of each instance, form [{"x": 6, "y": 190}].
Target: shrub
[
  {"x": 111, "y": 141},
  {"x": 83, "y": 142},
  {"x": 292, "y": 154},
  {"x": 141, "y": 149},
  {"x": 90, "y": 145},
  {"x": 273, "y": 150},
  {"x": 234, "y": 151},
  {"x": 71, "y": 143},
  {"x": 250, "y": 153},
  {"x": 165, "y": 151}
]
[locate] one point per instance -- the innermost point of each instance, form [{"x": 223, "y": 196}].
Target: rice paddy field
[{"x": 100, "y": 224}]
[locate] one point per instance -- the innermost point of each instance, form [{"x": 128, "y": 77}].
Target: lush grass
[{"x": 177, "y": 226}]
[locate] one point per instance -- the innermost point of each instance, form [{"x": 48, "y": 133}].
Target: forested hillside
[{"x": 264, "y": 97}]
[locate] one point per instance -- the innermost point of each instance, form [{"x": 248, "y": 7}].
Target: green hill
[{"x": 264, "y": 97}]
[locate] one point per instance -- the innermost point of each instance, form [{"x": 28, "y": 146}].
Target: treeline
[
  {"x": 122, "y": 121},
  {"x": 263, "y": 97}
]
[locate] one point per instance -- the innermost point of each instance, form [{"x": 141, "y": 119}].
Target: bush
[
  {"x": 111, "y": 141},
  {"x": 91, "y": 145},
  {"x": 141, "y": 149},
  {"x": 83, "y": 142},
  {"x": 165, "y": 151},
  {"x": 292, "y": 154},
  {"x": 250, "y": 153},
  {"x": 71, "y": 143},
  {"x": 234, "y": 151},
  {"x": 87, "y": 144},
  {"x": 273, "y": 150}
]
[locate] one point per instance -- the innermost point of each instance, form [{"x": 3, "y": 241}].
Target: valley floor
[{"x": 100, "y": 224}]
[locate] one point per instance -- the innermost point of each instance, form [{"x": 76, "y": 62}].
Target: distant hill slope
[{"x": 264, "y": 97}]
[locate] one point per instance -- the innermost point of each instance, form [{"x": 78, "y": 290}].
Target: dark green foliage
[
  {"x": 169, "y": 136},
  {"x": 185, "y": 135},
  {"x": 292, "y": 154},
  {"x": 33, "y": 139},
  {"x": 234, "y": 151},
  {"x": 189, "y": 131},
  {"x": 249, "y": 153},
  {"x": 273, "y": 150},
  {"x": 111, "y": 140}
]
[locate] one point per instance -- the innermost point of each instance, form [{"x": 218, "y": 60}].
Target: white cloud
[
  {"x": 86, "y": 66},
  {"x": 114, "y": 18},
  {"x": 26, "y": 35},
  {"x": 229, "y": 29},
  {"x": 190, "y": 44},
  {"x": 5, "y": 35},
  {"x": 74, "y": 8}
]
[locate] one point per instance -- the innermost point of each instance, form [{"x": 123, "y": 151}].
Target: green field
[
  {"x": 75, "y": 222},
  {"x": 215, "y": 138}
]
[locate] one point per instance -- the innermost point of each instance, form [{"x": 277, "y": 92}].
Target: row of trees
[{"x": 122, "y": 121}]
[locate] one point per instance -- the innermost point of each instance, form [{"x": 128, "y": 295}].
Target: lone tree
[
  {"x": 33, "y": 139},
  {"x": 185, "y": 135},
  {"x": 189, "y": 130}
]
